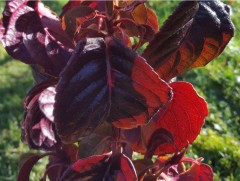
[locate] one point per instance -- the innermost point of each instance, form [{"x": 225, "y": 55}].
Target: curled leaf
[
  {"x": 38, "y": 129},
  {"x": 33, "y": 35},
  {"x": 26, "y": 164}
]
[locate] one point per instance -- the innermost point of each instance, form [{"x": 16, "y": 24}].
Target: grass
[{"x": 218, "y": 83}]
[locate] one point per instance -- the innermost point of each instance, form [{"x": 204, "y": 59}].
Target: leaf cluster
[{"x": 93, "y": 88}]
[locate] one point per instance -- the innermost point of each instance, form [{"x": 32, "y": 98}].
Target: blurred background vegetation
[{"x": 218, "y": 83}]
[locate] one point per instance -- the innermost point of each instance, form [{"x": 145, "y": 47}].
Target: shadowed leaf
[
  {"x": 27, "y": 163},
  {"x": 160, "y": 137},
  {"x": 33, "y": 35}
]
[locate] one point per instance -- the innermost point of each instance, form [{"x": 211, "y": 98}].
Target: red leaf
[
  {"x": 139, "y": 14},
  {"x": 202, "y": 172},
  {"x": 102, "y": 167},
  {"x": 160, "y": 137},
  {"x": 111, "y": 82},
  {"x": 197, "y": 172},
  {"x": 128, "y": 5},
  {"x": 87, "y": 164},
  {"x": 193, "y": 35},
  {"x": 184, "y": 117},
  {"x": 145, "y": 16},
  {"x": 96, "y": 5},
  {"x": 152, "y": 20},
  {"x": 75, "y": 17}
]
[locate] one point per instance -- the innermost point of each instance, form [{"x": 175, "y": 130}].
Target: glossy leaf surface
[
  {"x": 193, "y": 35},
  {"x": 106, "y": 81}
]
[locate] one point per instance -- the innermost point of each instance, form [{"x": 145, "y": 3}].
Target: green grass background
[{"x": 218, "y": 83}]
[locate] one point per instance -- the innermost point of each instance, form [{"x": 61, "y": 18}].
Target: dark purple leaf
[
  {"x": 96, "y": 143},
  {"x": 136, "y": 138},
  {"x": 193, "y": 35},
  {"x": 160, "y": 137},
  {"x": 33, "y": 34},
  {"x": 60, "y": 162},
  {"x": 142, "y": 166},
  {"x": 26, "y": 164},
  {"x": 106, "y": 81}
]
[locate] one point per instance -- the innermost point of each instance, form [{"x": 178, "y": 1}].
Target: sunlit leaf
[
  {"x": 106, "y": 81},
  {"x": 184, "y": 117},
  {"x": 193, "y": 35},
  {"x": 139, "y": 14},
  {"x": 197, "y": 172},
  {"x": 101, "y": 167}
]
